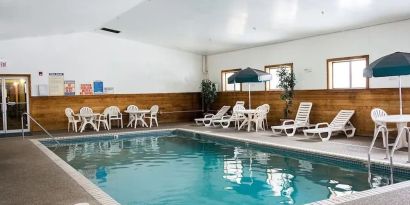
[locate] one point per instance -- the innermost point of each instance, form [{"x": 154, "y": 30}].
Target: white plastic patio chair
[
  {"x": 153, "y": 115},
  {"x": 341, "y": 123},
  {"x": 379, "y": 127},
  {"x": 72, "y": 120},
  {"x": 103, "y": 118},
  {"x": 289, "y": 127},
  {"x": 87, "y": 117},
  {"x": 131, "y": 117},
  {"x": 114, "y": 114},
  {"x": 259, "y": 118},
  {"x": 236, "y": 117},
  {"x": 265, "y": 118},
  {"x": 376, "y": 113},
  {"x": 208, "y": 118}
]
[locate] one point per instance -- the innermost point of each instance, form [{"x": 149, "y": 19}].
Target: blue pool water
[{"x": 182, "y": 168}]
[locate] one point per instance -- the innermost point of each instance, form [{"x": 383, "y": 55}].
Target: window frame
[
  {"x": 267, "y": 67},
  {"x": 222, "y": 80},
  {"x": 329, "y": 73}
]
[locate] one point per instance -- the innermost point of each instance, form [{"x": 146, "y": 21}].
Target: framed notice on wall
[
  {"x": 86, "y": 89},
  {"x": 69, "y": 87},
  {"x": 55, "y": 84},
  {"x": 98, "y": 87}
]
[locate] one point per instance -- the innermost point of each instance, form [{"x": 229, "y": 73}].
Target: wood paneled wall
[
  {"x": 49, "y": 110},
  {"x": 326, "y": 104}
]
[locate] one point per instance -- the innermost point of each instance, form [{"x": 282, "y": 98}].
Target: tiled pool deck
[{"x": 355, "y": 148}]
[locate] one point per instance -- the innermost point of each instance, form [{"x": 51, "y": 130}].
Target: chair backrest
[
  {"x": 113, "y": 111},
  {"x": 86, "y": 110},
  {"x": 154, "y": 109},
  {"x": 261, "y": 112},
  {"x": 235, "y": 110},
  {"x": 69, "y": 113},
  {"x": 222, "y": 111},
  {"x": 303, "y": 112},
  {"x": 267, "y": 106},
  {"x": 106, "y": 111},
  {"x": 376, "y": 113},
  {"x": 132, "y": 108},
  {"x": 342, "y": 118}
]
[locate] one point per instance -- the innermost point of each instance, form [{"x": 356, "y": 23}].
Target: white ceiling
[
  {"x": 25, "y": 18},
  {"x": 200, "y": 26}
]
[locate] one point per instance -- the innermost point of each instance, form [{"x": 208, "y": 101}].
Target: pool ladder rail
[{"x": 29, "y": 117}]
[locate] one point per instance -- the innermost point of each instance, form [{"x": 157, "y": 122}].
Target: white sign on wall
[{"x": 56, "y": 84}]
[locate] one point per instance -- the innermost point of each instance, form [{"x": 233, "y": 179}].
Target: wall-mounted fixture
[
  {"x": 308, "y": 70},
  {"x": 3, "y": 63},
  {"x": 110, "y": 30}
]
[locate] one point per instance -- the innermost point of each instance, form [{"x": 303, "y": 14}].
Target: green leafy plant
[
  {"x": 209, "y": 94},
  {"x": 287, "y": 82}
]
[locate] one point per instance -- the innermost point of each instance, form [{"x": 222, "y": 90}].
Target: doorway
[{"x": 14, "y": 101}]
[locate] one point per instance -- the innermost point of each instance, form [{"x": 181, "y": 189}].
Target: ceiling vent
[{"x": 110, "y": 30}]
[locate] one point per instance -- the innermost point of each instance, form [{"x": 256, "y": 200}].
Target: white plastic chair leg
[
  {"x": 324, "y": 139},
  {"x": 290, "y": 134}
]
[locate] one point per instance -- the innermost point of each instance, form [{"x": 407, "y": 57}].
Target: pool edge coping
[{"x": 103, "y": 197}]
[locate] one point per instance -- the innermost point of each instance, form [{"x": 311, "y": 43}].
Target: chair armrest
[
  {"x": 288, "y": 122},
  {"x": 322, "y": 123},
  {"x": 208, "y": 115},
  {"x": 226, "y": 117}
]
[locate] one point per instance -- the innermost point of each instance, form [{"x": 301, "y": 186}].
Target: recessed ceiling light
[
  {"x": 110, "y": 30},
  {"x": 254, "y": 28}
]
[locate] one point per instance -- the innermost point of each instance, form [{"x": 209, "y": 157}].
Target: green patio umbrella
[
  {"x": 249, "y": 75},
  {"x": 395, "y": 64}
]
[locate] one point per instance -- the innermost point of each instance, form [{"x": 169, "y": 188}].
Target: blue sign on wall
[{"x": 98, "y": 87}]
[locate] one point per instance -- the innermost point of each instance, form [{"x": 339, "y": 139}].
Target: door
[{"x": 14, "y": 102}]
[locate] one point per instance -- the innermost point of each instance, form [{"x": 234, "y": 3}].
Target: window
[
  {"x": 347, "y": 73},
  {"x": 272, "y": 69},
  {"x": 225, "y": 74}
]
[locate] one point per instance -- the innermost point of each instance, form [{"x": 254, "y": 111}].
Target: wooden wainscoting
[
  {"x": 49, "y": 110},
  {"x": 326, "y": 104}
]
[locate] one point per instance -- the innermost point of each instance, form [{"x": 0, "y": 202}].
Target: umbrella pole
[
  {"x": 249, "y": 94},
  {"x": 401, "y": 101}
]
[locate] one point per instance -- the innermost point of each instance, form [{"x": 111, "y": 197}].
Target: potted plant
[
  {"x": 287, "y": 83},
  {"x": 209, "y": 94}
]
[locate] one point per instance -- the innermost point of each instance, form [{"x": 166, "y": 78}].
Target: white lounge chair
[
  {"x": 114, "y": 113},
  {"x": 153, "y": 115},
  {"x": 236, "y": 117},
  {"x": 71, "y": 119},
  {"x": 341, "y": 123},
  {"x": 289, "y": 127},
  {"x": 208, "y": 118}
]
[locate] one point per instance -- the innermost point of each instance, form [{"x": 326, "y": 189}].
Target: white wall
[
  {"x": 312, "y": 53},
  {"x": 128, "y": 66}
]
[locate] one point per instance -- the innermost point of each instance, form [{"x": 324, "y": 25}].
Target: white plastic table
[
  {"x": 138, "y": 116},
  {"x": 249, "y": 113},
  {"x": 87, "y": 118},
  {"x": 401, "y": 122}
]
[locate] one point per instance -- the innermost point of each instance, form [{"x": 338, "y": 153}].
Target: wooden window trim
[
  {"x": 331, "y": 60},
  {"x": 267, "y": 67},
  {"x": 222, "y": 76}
]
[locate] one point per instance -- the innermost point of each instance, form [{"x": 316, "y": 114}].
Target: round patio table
[
  {"x": 401, "y": 122},
  {"x": 138, "y": 116},
  {"x": 249, "y": 113}
]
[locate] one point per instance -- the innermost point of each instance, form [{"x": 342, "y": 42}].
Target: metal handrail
[{"x": 29, "y": 117}]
